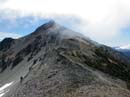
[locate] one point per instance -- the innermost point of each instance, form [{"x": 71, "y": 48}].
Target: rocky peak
[
  {"x": 56, "y": 62},
  {"x": 46, "y": 26}
]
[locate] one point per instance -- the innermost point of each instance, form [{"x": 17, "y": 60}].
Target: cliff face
[{"x": 54, "y": 61}]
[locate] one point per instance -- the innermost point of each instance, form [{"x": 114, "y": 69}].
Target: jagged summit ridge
[{"x": 53, "y": 29}]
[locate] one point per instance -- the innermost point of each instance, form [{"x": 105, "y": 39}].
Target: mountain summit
[{"x": 54, "y": 61}]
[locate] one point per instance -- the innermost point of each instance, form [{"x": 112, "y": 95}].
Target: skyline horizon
[
  {"x": 104, "y": 21},
  {"x": 17, "y": 36}
]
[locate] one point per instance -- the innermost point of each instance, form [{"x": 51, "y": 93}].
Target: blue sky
[
  {"x": 21, "y": 26},
  {"x": 105, "y": 21}
]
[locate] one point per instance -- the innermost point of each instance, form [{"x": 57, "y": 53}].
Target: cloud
[
  {"x": 7, "y": 34},
  {"x": 98, "y": 19}
]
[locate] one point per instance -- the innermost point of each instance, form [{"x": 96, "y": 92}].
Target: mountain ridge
[{"x": 54, "y": 61}]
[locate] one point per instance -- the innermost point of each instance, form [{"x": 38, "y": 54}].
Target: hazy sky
[{"x": 105, "y": 21}]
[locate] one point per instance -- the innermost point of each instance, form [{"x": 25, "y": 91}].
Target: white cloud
[
  {"x": 100, "y": 19},
  {"x": 7, "y": 34},
  {"x": 92, "y": 10}
]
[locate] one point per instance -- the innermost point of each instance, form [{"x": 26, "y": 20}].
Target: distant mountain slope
[
  {"x": 54, "y": 61},
  {"x": 125, "y": 49}
]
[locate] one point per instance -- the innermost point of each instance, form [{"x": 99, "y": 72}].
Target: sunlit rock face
[{"x": 54, "y": 61}]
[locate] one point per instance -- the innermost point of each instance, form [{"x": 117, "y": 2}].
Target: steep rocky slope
[{"x": 54, "y": 61}]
